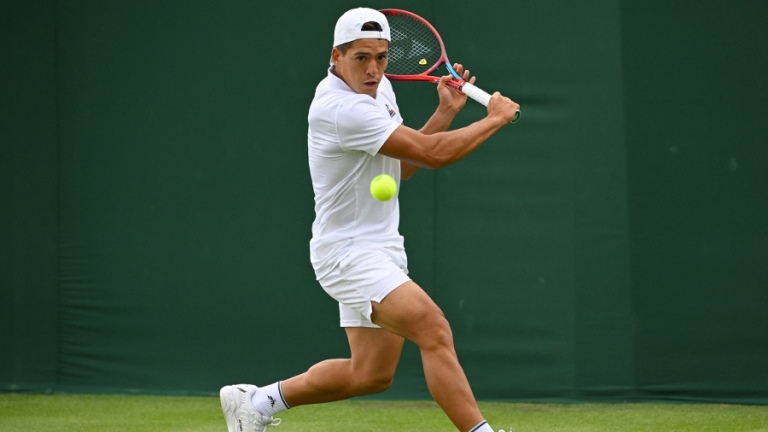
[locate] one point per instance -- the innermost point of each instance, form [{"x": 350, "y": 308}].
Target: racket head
[{"x": 416, "y": 49}]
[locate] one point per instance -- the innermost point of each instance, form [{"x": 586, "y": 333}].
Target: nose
[{"x": 372, "y": 69}]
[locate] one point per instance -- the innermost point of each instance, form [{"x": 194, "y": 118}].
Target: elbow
[
  {"x": 436, "y": 155},
  {"x": 435, "y": 161}
]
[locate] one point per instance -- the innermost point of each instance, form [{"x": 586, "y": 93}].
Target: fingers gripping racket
[{"x": 416, "y": 51}]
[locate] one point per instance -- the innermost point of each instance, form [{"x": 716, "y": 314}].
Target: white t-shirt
[{"x": 346, "y": 131}]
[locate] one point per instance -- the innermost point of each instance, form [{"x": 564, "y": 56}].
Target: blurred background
[{"x": 155, "y": 199}]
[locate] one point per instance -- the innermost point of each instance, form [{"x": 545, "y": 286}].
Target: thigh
[
  {"x": 363, "y": 276},
  {"x": 409, "y": 312},
  {"x": 374, "y": 350}
]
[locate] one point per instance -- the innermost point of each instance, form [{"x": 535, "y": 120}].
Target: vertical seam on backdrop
[
  {"x": 435, "y": 248},
  {"x": 635, "y": 390},
  {"x": 435, "y": 219},
  {"x": 57, "y": 247}
]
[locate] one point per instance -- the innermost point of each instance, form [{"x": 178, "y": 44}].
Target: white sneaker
[{"x": 239, "y": 412}]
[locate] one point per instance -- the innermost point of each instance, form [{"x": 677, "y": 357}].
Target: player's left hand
[{"x": 449, "y": 97}]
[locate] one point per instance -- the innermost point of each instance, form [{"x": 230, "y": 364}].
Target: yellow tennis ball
[{"x": 383, "y": 187}]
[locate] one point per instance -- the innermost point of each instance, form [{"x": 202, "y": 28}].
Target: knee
[
  {"x": 435, "y": 333},
  {"x": 380, "y": 383},
  {"x": 374, "y": 383}
]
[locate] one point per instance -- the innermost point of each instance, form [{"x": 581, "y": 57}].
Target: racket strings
[{"x": 414, "y": 48}]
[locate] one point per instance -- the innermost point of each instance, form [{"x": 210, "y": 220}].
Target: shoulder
[
  {"x": 355, "y": 111},
  {"x": 332, "y": 104}
]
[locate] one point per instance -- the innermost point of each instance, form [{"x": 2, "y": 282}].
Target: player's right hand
[{"x": 503, "y": 108}]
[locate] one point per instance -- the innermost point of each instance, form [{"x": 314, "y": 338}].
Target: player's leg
[
  {"x": 409, "y": 312},
  {"x": 375, "y": 354}
]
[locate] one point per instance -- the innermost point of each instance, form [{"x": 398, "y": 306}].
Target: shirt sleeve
[{"x": 363, "y": 125}]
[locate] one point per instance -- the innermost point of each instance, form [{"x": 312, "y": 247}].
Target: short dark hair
[{"x": 369, "y": 26}]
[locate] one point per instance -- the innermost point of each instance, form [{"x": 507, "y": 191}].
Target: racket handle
[
  {"x": 480, "y": 96},
  {"x": 475, "y": 93}
]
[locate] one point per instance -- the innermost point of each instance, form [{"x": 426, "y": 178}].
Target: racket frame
[
  {"x": 425, "y": 75},
  {"x": 458, "y": 83}
]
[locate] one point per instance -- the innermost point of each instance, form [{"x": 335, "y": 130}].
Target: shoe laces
[{"x": 257, "y": 419}]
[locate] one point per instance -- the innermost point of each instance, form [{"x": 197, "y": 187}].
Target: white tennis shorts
[{"x": 363, "y": 276}]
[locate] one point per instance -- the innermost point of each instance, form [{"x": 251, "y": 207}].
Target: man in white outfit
[{"x": 356, "y": 133}]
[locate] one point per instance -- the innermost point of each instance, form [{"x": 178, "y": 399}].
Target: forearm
[
  {"x": 450, "y": 147},
  {"x": 440, "y": 149},
  {"x": 407, "y": 170},
  {"x": 440, "y": 121}
]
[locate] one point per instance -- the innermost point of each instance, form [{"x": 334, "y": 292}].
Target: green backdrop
[{"x": 156, "y": 201}]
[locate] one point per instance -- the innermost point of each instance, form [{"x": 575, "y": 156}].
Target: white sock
[
  {"x": 269, "y": 400},
  {"x": 483, "y": 426}
]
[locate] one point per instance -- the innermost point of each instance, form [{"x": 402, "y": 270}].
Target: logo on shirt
[{"x": 390, "y": 110}]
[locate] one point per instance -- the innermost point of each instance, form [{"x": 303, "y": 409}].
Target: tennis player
[{"x": 356, "y": 133}]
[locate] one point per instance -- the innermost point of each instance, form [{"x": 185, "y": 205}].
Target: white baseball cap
[{"x": 348, "y": 27}]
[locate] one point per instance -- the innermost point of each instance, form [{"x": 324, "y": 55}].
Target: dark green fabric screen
[{"x": 156, "y": 201}]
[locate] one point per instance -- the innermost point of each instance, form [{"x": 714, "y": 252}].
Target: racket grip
[
  {"x": 481, "y": 96},
  {"x": 476, "y": 93}
]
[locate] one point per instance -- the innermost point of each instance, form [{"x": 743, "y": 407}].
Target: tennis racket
[{"x": 416, "y": 51}]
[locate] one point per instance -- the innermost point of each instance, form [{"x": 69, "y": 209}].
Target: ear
[{"x": 335, "y": 56}]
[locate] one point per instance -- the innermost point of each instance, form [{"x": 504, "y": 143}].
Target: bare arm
[
  {"x": 451, "y": 102},
  {"x": 444, "y": 148},
  {"x": 439, "y": 122}
]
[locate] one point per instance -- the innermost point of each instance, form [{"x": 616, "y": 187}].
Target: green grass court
[{"x": 90, "y": 413}]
